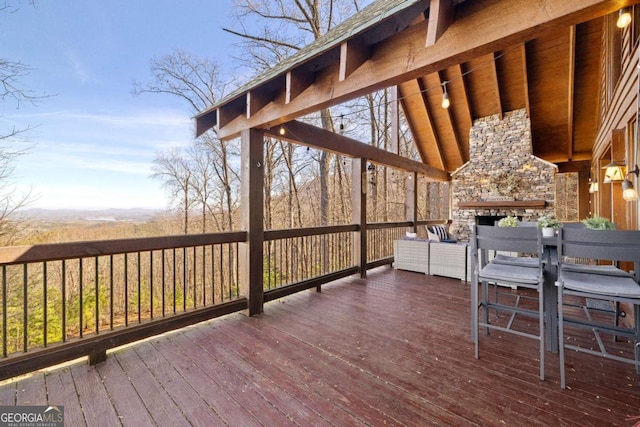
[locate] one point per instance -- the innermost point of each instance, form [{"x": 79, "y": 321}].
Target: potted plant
[
  {"x": 508, "y": 221},
  {"x": 598, "y": 223},
  {"x": 548, "y": 224}
]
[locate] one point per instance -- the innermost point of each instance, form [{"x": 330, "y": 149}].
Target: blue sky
[{"x": 94, "y": 142}]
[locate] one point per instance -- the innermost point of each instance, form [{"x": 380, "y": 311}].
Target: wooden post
[
  {"x": 411, "y": 202},
  {"x": 359, "y": 213},
  {"x": 252, "y": 214}
]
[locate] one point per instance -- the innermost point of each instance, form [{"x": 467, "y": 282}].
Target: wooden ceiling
[
  {"x": 495, "y": 55},
  {"x": 554, "y": 77}
]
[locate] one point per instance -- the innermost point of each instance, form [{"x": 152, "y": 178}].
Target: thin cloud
[{"x": 78, "y": 67}]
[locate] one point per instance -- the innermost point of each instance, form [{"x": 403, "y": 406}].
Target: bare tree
[
  {"x": 11, "y": 199},
  {"x": 270, "y": 31},
  {"x": 198, "y": 82},
  {"x": 174, "y": 170}
]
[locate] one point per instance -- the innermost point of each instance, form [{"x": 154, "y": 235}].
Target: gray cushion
[
  {"x": 510, "y": 274},
  {"x": 605, "y": 270},
  {"x": 601, "y": 284},
  {"x": 516, "y": 260}
]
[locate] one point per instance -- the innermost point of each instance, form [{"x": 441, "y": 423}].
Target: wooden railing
[
  {"x": 292, "y": 256},
  {"x": 75, "y": 299},
  {"x": 380, "y": 237},
  {"x": 68, "y": 300}
]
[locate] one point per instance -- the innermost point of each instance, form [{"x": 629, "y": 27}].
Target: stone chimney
[{"x": 502, "y": 177}]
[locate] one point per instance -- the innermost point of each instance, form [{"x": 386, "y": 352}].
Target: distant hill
[{"x": 74, "y": 215}]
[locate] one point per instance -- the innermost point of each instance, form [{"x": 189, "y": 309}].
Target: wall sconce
[
  {"x": 593, "y": 187},
  {"x": 628, "y": 192},
  {"x": 624, "y": 18},
  {"x": 614, "y": 172}
]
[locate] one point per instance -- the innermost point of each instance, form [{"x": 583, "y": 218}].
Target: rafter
[
  {"x": 353, "y": 53},
  {"x": 438, "y": 151},
  {"x": 450, "y": 122},
  {"x": 441, "y": 13},
  {"x": 473, "y": 33}
]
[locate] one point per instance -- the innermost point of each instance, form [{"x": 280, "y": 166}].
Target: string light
[
  {"x": 441, "y": 85},
  {"x": 445, "y": 96}
]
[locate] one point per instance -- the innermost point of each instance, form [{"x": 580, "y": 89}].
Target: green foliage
[
  {"x": 548, "y": 221},
  {"x": 598, "y": 223},
  {"x": 508, "y": 221}
]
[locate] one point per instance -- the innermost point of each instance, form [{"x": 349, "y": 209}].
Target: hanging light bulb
[
  {"x": 282, "y": 131},
  {"x": 624, "y": 18},
  {"x": 445, "y": 96}
]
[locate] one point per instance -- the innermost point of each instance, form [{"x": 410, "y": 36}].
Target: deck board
[
  {"x": 158, "y": 402},
  {"x": 392, "y": 349}
]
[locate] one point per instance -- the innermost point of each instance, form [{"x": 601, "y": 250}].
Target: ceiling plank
[
  {"x": 441, "y": 13},
  {"x": 480, "y": 81},
  {"x": 398, "y": 58},
  {"x": 496, "y": 86},
  {"x": 525, "y": 79},
  {"x": 306, "y": 134}
]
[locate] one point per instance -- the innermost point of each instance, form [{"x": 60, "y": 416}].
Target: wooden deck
[{"x": 393, "y": 349}]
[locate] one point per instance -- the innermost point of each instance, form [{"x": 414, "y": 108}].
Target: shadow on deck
[{"x": 393, "y": 349}]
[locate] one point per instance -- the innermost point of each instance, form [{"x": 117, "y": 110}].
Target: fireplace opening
[{"x": 491, "y": 219}]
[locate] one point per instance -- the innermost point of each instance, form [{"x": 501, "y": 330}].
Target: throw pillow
[{"x": 441, "y": 231}]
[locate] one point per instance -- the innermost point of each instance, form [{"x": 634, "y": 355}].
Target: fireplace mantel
[{"x": 507, "y": 204}]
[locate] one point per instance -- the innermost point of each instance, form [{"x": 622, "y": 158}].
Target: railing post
[
  {"x": 411, "y": 202},
  {"x": 359, "y": 214},
  {"x": 252, "y": 213}
]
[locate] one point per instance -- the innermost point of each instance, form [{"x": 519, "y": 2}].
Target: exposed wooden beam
[
  {"x": 450, "y": 123},
  {"x": 570, "y": 89},
  {"x": 575, "y": 166},
  {"x": 353, "y": 53},
  {"x": 409, "y": 92},
  {"x": 306, "y": 134},
  {"x": 441, "y": 14},
  {"x": 432, "y": 81},
  {"x": 467, "y": 103},
  {"x": 399, "y": 58}
]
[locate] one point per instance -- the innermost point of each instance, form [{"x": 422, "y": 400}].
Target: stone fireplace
[{"x": 502, "y": 177}]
